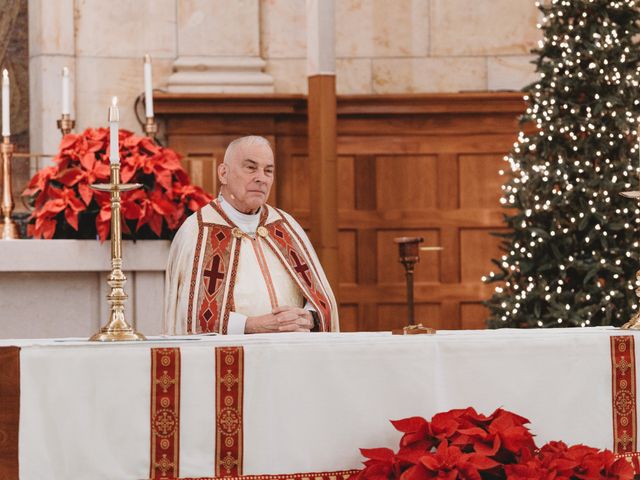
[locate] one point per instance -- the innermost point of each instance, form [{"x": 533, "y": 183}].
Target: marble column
[
  {"x": 219, "y": 48},
  {"x": 51, "y": 47}
]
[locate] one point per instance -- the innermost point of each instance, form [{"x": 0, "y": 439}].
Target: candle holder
[
  {"x": 409, "y": 255},
  {"x": 634, "y": 322},
  {"x": 150, "y": 127},
  {"x": 66, "y": 124},
  {"x": 117, "y": 329},
  {"x": 9, "y": 227}
]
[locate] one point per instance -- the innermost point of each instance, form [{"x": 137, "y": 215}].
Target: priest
[{"x": 239, "y": 265}]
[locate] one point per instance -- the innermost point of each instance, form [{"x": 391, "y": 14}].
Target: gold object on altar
[
  {"x": 634, "y": 323},
  {"x": 117, "y": 328},
  {"x": 150, "y": 127},
  {"x": 418, "y": 329},
  {"x": 9, "y": 228},
  {"x": 262, "y": 231},
  {"x": 65, "y": 123}
]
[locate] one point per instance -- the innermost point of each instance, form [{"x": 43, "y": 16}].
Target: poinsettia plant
[
  {"x": 65, "y": 206},
  {"x": 463, "y": 444}
]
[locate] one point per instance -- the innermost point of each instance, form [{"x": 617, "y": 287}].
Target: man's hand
[{"x": 281, "y": 319}]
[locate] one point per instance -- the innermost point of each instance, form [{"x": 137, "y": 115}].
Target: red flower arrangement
[
  {"x": 466, "y": 445},
  {"x": 66, "y": 207}
]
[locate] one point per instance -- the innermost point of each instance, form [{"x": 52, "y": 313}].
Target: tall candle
[
  {"x": 65, "y": 91},
  {"x": 148, "y": 90},
  {"x": 114, "y": 118},
  {"x": 6, "y": 130}
]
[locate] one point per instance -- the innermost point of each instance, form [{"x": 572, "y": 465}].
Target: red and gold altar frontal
[{"x": 295, "y": 407}]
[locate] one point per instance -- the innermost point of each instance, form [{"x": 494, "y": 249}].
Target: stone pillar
[
  {"x": 219, "y": 48},
  {"x": 51, "y": 47}
]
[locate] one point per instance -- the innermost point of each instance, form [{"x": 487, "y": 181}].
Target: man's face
[{"x": 248, "y": 177}]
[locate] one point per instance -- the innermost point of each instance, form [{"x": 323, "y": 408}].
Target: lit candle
[
  {"x": 148, "y": 90},
  {"x": 114, "y": 118},
  {"x": 6, "y": 131},
  {"x": 65, "y": 91}
]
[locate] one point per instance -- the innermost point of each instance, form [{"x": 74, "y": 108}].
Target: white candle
[
  {"x": 6, "y": 130},
  {"x": 148, "y": 90},
  {"x": 114, "y": 118},
  {"x": 65, "y": 91}
]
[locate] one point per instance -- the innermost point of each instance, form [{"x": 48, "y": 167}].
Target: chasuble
[{"x": 225, "y": 266}]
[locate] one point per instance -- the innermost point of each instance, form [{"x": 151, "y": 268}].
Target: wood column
[
  {"x": 324, "y": 172},
  {"x": 323, "y": 166}
]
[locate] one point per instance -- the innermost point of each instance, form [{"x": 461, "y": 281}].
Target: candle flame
[
  {"x": 5, "y": 74},
  {"x": 147, "y": 58},
  {"x": 65, "y": 72},
  {"x": 114, "y": 101}
]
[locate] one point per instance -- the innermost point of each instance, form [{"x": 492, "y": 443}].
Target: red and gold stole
[
  {"x": 215, "y": 267},
  {"x": 294, "y": 255}
]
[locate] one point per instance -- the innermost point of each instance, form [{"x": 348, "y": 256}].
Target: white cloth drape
[{"x": 310, "y": 400}]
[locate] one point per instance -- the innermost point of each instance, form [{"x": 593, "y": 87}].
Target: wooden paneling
[
  {"x": 477, "y": 248},
  {"x": 479, "y": 180},
  {"x": 406, "y": 182},
  {"x": 473, "y": 315},
  {"x": 349, "y": 317},
  {"x": 423, "y": 165},
  {"x": 348, "y": 247}
]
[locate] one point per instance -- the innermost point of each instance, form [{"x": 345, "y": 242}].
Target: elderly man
[{"x": 241, "y": 266}]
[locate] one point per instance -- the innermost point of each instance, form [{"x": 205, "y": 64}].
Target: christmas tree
[{"x": 572, "y": 252}]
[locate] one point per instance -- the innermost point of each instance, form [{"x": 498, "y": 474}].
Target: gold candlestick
[
  {"x": 66, "y": 124},
  {"x": 9, "y": 228},
  {"x": 150, "y": 127},
  {"x": 117, "y": 329},
  {"x": 634, "y": 322}
]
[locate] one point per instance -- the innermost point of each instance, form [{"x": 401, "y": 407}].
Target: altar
[
  {"x": 294, "y": 405},
  {"x": 54, "y": 268}
]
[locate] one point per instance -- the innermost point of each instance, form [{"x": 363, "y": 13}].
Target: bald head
[
  {"x": 240, "y": 143},
  {"x": 246, "y": 175}
]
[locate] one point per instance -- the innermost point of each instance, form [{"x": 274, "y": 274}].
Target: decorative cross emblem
[
  {"x": 301, "y": 268},
  {"x": 624, "y": 440},
  {"x": 623, "y": 366},
  {"x": 214, "y": 274}
]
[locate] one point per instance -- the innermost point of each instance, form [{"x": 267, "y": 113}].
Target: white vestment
[{"x": 225, "y": 266}]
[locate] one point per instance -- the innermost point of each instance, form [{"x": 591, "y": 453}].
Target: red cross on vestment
[
  {"x": 301, "y": 268},
  {"x": 214, "y": 275}
]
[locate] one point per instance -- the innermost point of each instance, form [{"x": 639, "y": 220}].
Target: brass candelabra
[
  {"x": 117, "y": 328},
  {"x": 66, "y": 124},
  {"x": 9, "y": 228}
]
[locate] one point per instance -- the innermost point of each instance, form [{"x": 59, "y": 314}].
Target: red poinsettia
[
  {"x": 66, "y": 207},
  {"x": 466, "y": 445}
]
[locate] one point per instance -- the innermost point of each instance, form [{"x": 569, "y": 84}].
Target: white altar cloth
[{"x": 308, "y": 402}]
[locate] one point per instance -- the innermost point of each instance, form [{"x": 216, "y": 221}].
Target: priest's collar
[{"x": 247, "y": 222}]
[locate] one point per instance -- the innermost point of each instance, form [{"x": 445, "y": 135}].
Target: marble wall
[
  {"x": 382, "y": 47},
  {"x": 409, "y": 46}
]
